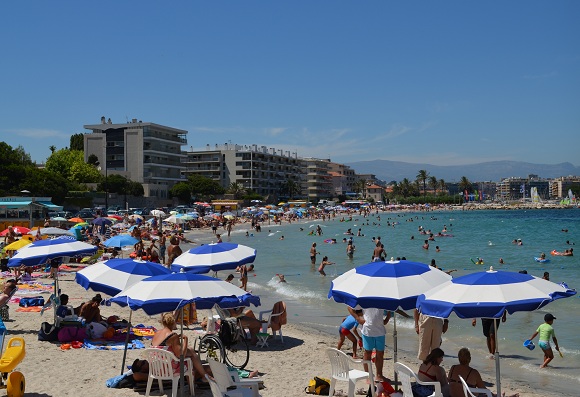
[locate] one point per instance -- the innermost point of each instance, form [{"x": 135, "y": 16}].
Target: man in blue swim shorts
[{"x": 373, "y": 336}]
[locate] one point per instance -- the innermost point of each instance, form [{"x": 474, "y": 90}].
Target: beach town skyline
[{"x": 443, "y": 84}]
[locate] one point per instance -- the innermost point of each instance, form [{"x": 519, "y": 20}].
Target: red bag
[{"x": 68, "y": 334}]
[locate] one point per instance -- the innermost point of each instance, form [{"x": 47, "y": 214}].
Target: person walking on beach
[
  {"x": 373, "y": 335},
  {"x": 313, "y": 254},
  {"x": 546, "y": 331},
  {"x": 430, "y": 330},
  {"x": 489, "y": 326},
  {"x": 162, "y": 247},
  {"x": 325, "y": 262}
]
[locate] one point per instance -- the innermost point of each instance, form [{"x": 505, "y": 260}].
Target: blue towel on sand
[
  {"x": 111, "y": 345},
  {"x": 114, "y": 382}
]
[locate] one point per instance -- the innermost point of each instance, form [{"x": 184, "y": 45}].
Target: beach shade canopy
[
  {"x": 214, "y": 257},
  {"x": 121, "y": 240},
  {"x": 488, "y": 295},
  {"x": 100, "y": 221},
  {"x": 44, "y": 250},
  {"x": 18, "y": 244},
  {"x": 17, "y": 230},
  {"x": 169, "y": 292},
  {"x": 157, "y": 213},
  {"x": 386, "y": 285},
  {"x": 174, "y": 219},
  {"x": 51, "y": 231},
  {"x": 115, "y": 275}
]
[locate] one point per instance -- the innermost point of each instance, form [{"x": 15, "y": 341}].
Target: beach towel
[
  {"x": 102, "y": 344},
  {"x": 279, "y": 321},
  {"x": 30, "y": 309}
]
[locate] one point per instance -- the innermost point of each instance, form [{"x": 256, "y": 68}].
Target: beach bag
[
  {"x": 227, "y": 331},
  {"x": 320, "y": 386},
  {"x": 96, "y": 330},
  {"x": 68, "y": 334},
  {"x": 32, "y": 301},
  {"x": 48, "y": 332},
  {"x": 5, "y": 313}
]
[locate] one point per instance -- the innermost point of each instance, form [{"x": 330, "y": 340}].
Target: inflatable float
[{"x": 538, "y": 259}]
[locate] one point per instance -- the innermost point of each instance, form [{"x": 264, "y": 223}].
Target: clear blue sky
[{"x": 440, "y": 82}]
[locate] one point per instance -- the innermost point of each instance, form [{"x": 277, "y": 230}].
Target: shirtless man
[
  {"x": 173, "y": 251},
  {"x": 378, "y": 252},
  {"x": 313, "y": 254}
]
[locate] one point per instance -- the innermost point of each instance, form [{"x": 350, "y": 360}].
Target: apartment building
[
  {"x": 259, "y": 168},
  {"x": 559, "y": 186},
  {"x": 144, "y": 152},
  {"x": 343, "y": 178},
  {"x": 317, "y": 184}
]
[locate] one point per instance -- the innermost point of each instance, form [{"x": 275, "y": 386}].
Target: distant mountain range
[{"x": 388, "y": 171}]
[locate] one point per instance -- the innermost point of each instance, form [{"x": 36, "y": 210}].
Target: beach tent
[{"x": 488, "y": 295}]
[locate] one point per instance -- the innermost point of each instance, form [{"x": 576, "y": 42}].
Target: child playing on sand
[
  {"x": 546, "y": 330},
  {"x": 348, "y": 330}
]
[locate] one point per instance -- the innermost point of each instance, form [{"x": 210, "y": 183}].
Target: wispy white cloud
[
  {"x": 38, "y": 133},
  {"x": 397, "y": 130},
  {"x": 275, "y": 131}
]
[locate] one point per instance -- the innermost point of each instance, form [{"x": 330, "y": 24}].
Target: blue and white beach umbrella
[
  {"x": 169, "y": 292},
  {"x": 386, "y": 285},
  {"x": 42, "y": 251},
  {"x": 488, "y": 295},
  {"x": 214, "y": 257},
  {"x": 115, "y": 275}
]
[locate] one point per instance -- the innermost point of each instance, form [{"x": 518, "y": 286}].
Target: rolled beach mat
[{"x": 529, "y": 344}]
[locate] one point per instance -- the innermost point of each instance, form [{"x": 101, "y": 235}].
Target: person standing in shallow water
[{"x": 313, "y": 254}]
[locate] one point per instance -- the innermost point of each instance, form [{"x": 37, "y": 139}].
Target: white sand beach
[{"x": 285, "y": 368}]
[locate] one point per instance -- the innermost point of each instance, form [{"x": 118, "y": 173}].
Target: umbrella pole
[
  {"x": 126, "y": 342},
  {"x": 497, "y": 371},
  {"x": 395, "y": 348},
  {"x": 181, "y": 369}
]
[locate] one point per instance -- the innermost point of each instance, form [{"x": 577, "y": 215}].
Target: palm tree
[
  {"x": 360, "y": 187},
  {"x": 291, "y": 187},
  {"x": 433, "y": 183},
  {"x": 52, "y": 148},
  {"x": 405, "y": 186},
  {"x": 442, "y": 185},
  {"x": 464, "y": 184},
  {"x": 237, "y": 189},
  {"x": 422, "y": 177}
]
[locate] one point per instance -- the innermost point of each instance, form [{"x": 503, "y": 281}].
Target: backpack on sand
[{"x": 319, "y": 386}]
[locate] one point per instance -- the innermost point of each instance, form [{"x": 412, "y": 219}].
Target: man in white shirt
[{"x": 373, "y": 335}]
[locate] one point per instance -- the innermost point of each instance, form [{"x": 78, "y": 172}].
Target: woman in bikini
[
  {"x": 167, "y": 338},
  {"x": 471, "y": 376},
  {"x": 431, "y": 370}
]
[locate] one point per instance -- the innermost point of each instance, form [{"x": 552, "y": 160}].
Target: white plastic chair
[
  {"x": 223, "y": 377},
  {"x": 341, "y": 370},
  {"x": 267, "y": 322},
  {"x": 160, "y": 368},
  {"x": 470, "y": 390},
  {"x": 216, "y": 390},
  {"x": 406, "y": 374}
]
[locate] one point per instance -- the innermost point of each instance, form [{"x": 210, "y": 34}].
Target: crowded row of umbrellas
[
  {"x": 405, "y": 285},
  {"x": 150, "y": 286}
]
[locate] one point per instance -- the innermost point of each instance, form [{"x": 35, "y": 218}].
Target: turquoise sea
[{"x": 485, "y": 234}]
